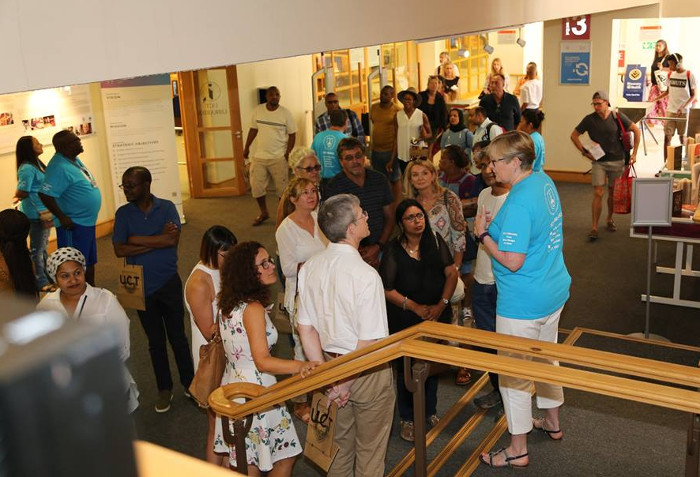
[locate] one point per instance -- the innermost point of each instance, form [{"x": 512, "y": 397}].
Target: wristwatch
[{"x": 445, "y": 301}]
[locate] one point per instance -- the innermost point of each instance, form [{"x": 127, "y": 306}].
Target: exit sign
[{"x": 576, "y": 28}]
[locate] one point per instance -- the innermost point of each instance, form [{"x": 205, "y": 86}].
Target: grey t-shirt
[{"x": 604, "y": 132}]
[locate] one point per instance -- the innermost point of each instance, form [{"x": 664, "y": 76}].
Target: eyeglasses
[
  {"x": 413, "y": 217},
  {"x": 597, "y": 103},
  {"x": 364, "y": 215},
  {"x": 350, "y": 157},
  {"x": 310, "y": 169},
  {"x": 313, "y": 191},
  {"x": 129, "y": 185},
  {"x": 265, "y": 264},
  {"x": 493, "y": 162},
  {"x": 222, "y": 253}
]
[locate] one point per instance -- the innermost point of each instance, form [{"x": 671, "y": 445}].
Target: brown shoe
[
  {"x": 407, "y": 431},
  {"x": 464, "y": 377}
]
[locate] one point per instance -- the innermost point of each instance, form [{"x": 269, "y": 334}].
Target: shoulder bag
[{"x": 212, "y": 361}]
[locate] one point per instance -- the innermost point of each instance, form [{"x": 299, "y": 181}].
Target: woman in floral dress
[{"x": 248, "y": 335}]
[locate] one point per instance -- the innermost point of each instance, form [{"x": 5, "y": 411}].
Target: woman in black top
[
  {"x": 419, "y": 278},
  {"x": 660, "y": 62},
  {"x": 433, "y": 105}
]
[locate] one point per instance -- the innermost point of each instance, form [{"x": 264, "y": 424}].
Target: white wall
[
  {"x": 103, "y": 39},
  {"x": 568, "y": 104}
]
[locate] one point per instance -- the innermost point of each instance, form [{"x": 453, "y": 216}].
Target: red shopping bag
[{"x": 622, "y": 197}]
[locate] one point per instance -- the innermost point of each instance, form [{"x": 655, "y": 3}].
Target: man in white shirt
[
  {"x": 274, "y": 127},
  {"x": 484, "y": 291},
  {"x": 531, "y": 90},
  {"x": 486, "y": 129},
  {"x": 342, "y": 309},
  {"x": 681, "y": 94}
]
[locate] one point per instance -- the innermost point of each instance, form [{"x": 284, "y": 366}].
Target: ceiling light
[
  {"x": 463, "y": 53},
  {"x": 487, "y": 48}
]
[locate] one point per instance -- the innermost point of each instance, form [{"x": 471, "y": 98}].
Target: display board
[
  {"x": 652, "y": 201},
  {"x": 43, "y": 113},
  {"x": 140, "y": 129}
]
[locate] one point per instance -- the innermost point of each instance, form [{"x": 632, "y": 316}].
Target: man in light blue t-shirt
[
  {"x": 70, "y": 192},
  {"x": 326, "y": 142}
]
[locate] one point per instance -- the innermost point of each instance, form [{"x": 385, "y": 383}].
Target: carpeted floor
[{"x": 604, "y": 436}]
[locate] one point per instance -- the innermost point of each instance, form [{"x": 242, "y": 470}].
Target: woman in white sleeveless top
[
  {"x": 201, "y": 292},
  {"x": 412, "y": 124}
]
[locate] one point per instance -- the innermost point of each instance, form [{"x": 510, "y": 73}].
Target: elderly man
[
  {"x": 603, "y": 128},
  {"x": 70, "y": 192},
  {"x": 372, "y": 188},
  {"x": 342, "y": 309},
  {"x": 502, "y": 108},
  {"x": 274, "y": 127},
  {"x": 353, "y": 128}
]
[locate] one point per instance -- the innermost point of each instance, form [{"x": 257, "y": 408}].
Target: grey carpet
[{"x": 603, "y": 436}]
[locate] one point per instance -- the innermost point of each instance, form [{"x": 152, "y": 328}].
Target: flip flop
[
  {"x": 259, "y": 220},
  {"x": 508, "y": 462},
  {"x": 538, "y": 423},
  {"x": 611, "y": 226},
  {"x": 593, "y": 235},
  {"x": 463, "y": 377},
  {"x": 303, "y": 412}
]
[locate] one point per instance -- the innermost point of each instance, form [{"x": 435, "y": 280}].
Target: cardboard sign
[
  {"x": 130, "y": 287},
  {"x": 320, "y": 448}
]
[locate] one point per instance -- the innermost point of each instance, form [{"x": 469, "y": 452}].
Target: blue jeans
[
  {"x": 38, "y": 245},
  {"x": 404, "y": 397},
  {"x": 484, "y": 310}
]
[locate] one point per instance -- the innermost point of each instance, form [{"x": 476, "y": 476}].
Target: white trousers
[{"x": 516, "y": 392}]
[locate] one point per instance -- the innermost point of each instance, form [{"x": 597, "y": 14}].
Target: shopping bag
[
  {"x": 212, "y": 361},
  {"x": 319, "y": 446},
  {"x": 622, "y": 195},
  {"x": 130, "y": 287}
]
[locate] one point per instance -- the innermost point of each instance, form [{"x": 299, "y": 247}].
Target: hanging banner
[
  {"x": 635, "y": 81},
  {"x": 575, "y": 66},
  {"x": 140, "y": 127}
]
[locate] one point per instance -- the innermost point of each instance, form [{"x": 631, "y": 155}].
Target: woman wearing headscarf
[
  {"x": 81, "y": 302},
  {"x": 457, "y": 133},
  {"x": 16, "y": 273}
]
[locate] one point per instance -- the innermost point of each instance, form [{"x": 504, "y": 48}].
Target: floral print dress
[{"x": 272, "y": 436}]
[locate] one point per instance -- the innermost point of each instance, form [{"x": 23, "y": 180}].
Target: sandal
[
  {"x": 463, "y": 378},
  {"x": 260, "y": 219},
  {"x": 302, "y": 411},
  {"x": 508, "y": 462},
  {"x": 538, "y": 423},
  {"x": 593, "y": 235},
  {"x": 611, "y": 226},
  {"x": 48, "y": 288}
]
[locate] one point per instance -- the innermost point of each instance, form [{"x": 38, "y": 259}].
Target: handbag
[
  {"x": 622, "y": 195},
  {"x": 472, "y": 248},
  {"x": 130, "y": 291},
  {"x": 458, "y": 294},
  {"x": 212, "y": 361}
]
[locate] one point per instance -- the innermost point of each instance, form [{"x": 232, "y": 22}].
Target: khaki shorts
[
  {"x": 610, "y": 169},
  {"x": 671, "y": 126},
  {"x": 262, "y": 170}
]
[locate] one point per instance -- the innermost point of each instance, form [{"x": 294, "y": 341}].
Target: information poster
[
  {"x": 575, "y": 67},
  {"x": 140, "y": 130},
  {"x": 635, "y": 80},
  {"x": 43, "y": 113}
]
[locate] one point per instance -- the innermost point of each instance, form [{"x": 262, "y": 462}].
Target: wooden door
[{"x": 211, "y": 123}]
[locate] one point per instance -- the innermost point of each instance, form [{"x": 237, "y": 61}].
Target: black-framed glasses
[
  {"x": 310, "y": 169},
  {"x": 129, "y": 185},
  {"x": 356, "y": 156},
  {"x": 266, "y": 264},
  {"x": 597, "y": 103},
  {"x": 414, "y": 217}
]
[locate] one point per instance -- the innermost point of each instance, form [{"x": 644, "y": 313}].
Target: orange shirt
[{"x": 383, "y": 131}]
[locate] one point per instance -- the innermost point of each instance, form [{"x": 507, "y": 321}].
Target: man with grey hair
[{"x": 342, "y": 309}]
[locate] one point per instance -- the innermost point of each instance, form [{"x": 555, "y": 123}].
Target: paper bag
[
  {"x": 419, "y": 151},
  {"x": 279, "y": 316},
  {"x": 130, "y": 287},
  {"x": 319, "y": 447}
]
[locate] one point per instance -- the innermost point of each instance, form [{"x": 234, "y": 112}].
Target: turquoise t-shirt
[
  {"x": 530, "y": 222},
  {"x": 539, "y": 151},
  {"x": 74, "y": 189},
  {"x": 30, "y": 179},
  {"x": 325, "y": 145}
]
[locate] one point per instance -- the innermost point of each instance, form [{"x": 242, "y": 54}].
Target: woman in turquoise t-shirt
[
  {"x": 30, "y": 177},
  {"x": 530, "y": 123},
  {"x": 525, "y": 241}
]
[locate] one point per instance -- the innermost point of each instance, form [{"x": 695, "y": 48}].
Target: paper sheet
[{"x": 591, "y": 146}]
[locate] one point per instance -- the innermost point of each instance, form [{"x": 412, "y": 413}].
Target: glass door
[{"x": 211, "y": 122}]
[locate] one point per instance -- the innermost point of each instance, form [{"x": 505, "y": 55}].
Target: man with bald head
[
  {"x": 147, "y": 233},
  {"x": 354, "y": 127},
  {"x": 70, "y": 192}
]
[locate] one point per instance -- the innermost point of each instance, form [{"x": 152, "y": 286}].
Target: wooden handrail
[{"x": 411, "y": 342}]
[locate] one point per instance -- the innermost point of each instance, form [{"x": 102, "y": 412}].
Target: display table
[
  {"x": 155, "y": 461},
  {"x": 685, "y": 233}
]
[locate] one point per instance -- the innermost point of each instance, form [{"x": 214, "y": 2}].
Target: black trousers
[{"x": 164, "y": 316}]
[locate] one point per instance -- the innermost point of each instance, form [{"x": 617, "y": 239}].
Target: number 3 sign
[{"x": 576, "y": 28}]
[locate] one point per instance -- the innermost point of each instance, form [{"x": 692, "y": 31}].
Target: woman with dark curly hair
[
  {"x": 248, "y": 335},
  {"x": 16, "y": 272}
]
